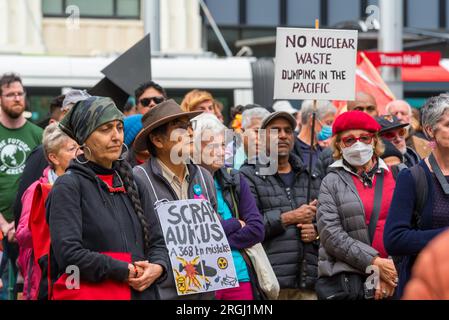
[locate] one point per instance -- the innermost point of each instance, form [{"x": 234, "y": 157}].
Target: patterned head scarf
[{"x": 87, "y": 115}]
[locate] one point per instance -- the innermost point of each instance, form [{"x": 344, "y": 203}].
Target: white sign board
[
  {"x": 199, "y": 251},
  {"x": 315, "y": 64}
]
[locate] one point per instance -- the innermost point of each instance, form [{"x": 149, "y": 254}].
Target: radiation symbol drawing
[{"x": 222, "y": 263}]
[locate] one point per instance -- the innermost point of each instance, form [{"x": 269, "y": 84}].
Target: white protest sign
[
  {"x": 315, "y": 64},
  {"x": 199, "y": 251}
]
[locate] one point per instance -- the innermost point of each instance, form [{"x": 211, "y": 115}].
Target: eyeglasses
[
  {"x": 12, "y": 95},
  {"x": 390, "y": 135},
  {"x": 351, "y": 139},
  {"x": 147, "y": 101}
]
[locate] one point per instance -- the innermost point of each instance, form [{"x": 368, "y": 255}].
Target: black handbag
[{"x": 350, "y": 285}]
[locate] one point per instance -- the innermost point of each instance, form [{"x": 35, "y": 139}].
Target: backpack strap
[
  {"x": 236, "y": 208},
  {"x": 378, "y": 190},
  {"x": 421, "y": 187}
]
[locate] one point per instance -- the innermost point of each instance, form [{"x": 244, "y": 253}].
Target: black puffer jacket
[
  {"x": 294, "y": 262},
  {"x": 85, "y": 218}
]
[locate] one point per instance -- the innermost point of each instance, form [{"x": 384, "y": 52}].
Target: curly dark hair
[{"x": 9, "y": 78}]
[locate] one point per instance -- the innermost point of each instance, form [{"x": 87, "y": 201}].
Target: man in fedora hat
[{"x": 168, "y": 174}]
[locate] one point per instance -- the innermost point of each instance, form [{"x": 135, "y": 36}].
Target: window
[
  {"x": 422, "y": 14},
  {"x": 343, "y": 10},
  {"x": 115, "y": 9},
  {"x": 262, "y": 12},
  {"x": 224, "y": 13},
  {"x": 302, "y": 13}
]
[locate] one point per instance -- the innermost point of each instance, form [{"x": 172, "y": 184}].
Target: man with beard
[
  {"x": 394, "y": 131},
  {"x": 291, "y": 238},
  {"x": 18, "y": 137}
]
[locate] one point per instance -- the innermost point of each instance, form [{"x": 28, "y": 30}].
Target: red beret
[{"x": 355, "y": 120}]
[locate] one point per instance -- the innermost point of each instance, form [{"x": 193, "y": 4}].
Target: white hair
[
  {"x": 323, "y": 108},
  {"x": 392, "y": 103},
  {"x": 52, "y": 141},
  {"x": 207, "y": 121},
  {"x": 253, "y": 113}
]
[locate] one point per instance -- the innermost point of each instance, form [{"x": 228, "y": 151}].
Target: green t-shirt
[{"x": 15, "y": 147}]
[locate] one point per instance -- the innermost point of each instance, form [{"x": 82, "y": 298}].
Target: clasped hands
[{"x": 142, "y": 274}]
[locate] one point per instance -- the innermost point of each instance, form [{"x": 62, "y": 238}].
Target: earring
[
  {"x": 123, "y": 152},
  {"x": 83, "y": 147}
]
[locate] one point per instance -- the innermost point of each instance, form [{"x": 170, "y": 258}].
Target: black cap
[
  {"x": 280, "y": 114},
  {"x": 389, "y": 122},
  {"x": 126, "y": 73}
]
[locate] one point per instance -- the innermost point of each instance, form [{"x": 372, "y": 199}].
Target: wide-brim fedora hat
[{"x": 161, "y": 114}]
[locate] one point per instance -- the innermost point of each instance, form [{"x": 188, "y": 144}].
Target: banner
[
  {"x": 315, "y": 64},
  {"x": 199, "y": 251}
]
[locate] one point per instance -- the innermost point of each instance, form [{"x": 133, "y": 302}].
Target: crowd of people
[{"x": 353, "y": 200}]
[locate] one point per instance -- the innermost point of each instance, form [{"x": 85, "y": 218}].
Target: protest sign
[
  {"x": 315, "y": 64},
  {"x": 199, "y": 251}
]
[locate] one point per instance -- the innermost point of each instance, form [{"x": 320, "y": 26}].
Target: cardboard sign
[
  {"x": 315, "y": 64},
  {"x": 199, "y": 251}
]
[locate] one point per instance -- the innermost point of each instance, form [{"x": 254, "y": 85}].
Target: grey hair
[
  {"x": 207, "y": 121},
  {"x": 253, "y": 113},
  {"x": 53, "y": 138},
  {"x": 323, "y": 108},
  {"x": 433, "y": 110},
  {"x": 391, "y": 103}
]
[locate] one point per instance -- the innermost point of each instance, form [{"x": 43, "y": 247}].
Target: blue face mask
[{"x": 325, "y": 133}]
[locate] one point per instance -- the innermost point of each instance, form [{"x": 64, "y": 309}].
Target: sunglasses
[
  {"x": 390, "y": 135},
  {"x": 351, "y": 139},
  {"x": 147, "y": 101}
]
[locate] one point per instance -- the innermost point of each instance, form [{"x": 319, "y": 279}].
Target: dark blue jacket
[{"x": 400, "y": 239}]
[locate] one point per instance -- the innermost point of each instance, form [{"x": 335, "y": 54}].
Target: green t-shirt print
[{"x": 15, "y": 147}]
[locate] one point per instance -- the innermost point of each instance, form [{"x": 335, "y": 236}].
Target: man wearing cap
[
  {"x": 290, "y": 235},
  {"x": 395, "y": 132},
  {"x": 168, "y": 175}
]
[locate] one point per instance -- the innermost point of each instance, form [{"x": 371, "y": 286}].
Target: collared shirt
[
  {"x": 340, "y": 164},
  {"x": 180, "y": 187}
]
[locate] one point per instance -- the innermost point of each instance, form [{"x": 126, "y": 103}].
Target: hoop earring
[
  {"x": 82, "y": 148},
  {"x": 127, "y": 149}
]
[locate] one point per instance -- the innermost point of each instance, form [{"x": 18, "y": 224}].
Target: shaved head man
[{"x": 364, "y": 102}]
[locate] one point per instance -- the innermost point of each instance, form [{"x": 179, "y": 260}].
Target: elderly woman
[
  {"x": 241, "y": 219},
  {"x": 352, "y": 208},
  {"x": 100, "y": 220},
  {"x": 59, "y": 149},
  {"x": 419, "y": 210}
]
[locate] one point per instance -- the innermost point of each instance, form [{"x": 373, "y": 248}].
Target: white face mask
[{"x": 358, "y": 154}]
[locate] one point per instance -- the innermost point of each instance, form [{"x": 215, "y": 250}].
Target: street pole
[
  {"x": 390, "y": 40},
  {"x": 151, "y": 23}
]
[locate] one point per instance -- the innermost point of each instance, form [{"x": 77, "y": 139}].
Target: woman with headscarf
[{"x": 100, "y": 221}]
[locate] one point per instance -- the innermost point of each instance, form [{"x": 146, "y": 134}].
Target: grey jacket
[
  {"x": 167, "y": 289},
  {"x": 344, "y": 238}
]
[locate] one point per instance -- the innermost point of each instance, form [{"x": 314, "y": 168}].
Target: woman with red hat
[{"x": 352, "y": 209}]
